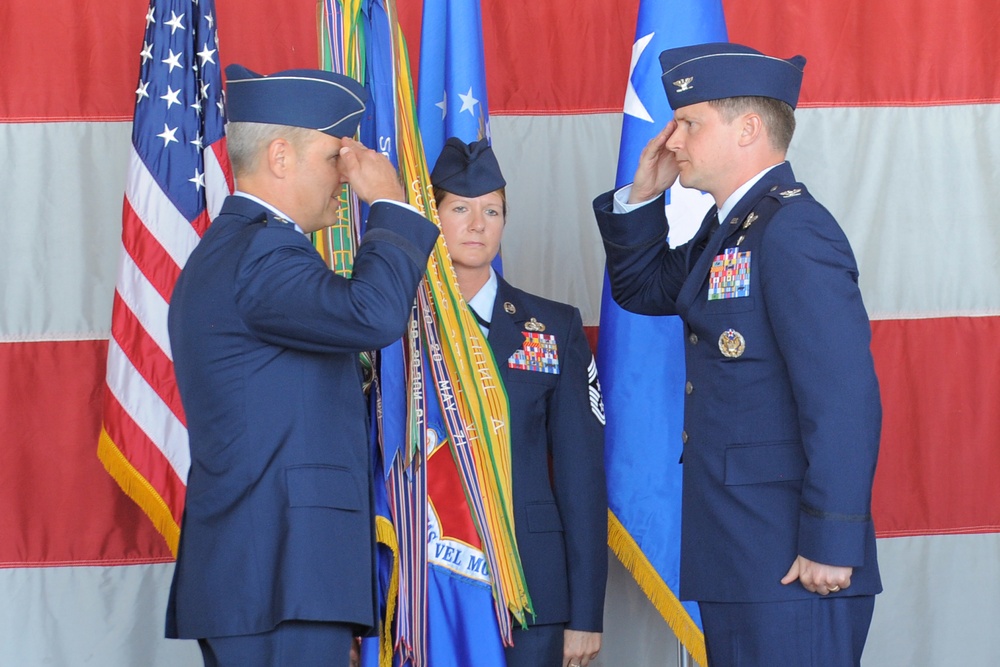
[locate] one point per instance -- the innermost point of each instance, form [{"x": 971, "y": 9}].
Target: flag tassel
[
  {"x": 652, "y": 584},
  {"x": 139, "y": 490}
]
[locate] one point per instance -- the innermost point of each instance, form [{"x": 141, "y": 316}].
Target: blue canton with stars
[{"x": 179, "y": 102}]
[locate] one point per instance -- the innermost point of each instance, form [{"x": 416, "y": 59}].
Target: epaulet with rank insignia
[
  {"x": 792, "y": 192},
  {"x": 275, "y": 220}
]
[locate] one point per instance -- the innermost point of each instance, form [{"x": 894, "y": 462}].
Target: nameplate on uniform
[
  {"x": 538, "y": 353},
  {"x": 729, "y": 277}
]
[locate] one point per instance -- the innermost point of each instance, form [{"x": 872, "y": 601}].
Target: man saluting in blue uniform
[
  {"x": 275, "y": 565},
  {"x": 782, "y": 413}
]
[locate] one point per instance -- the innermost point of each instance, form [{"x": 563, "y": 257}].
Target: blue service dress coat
[
  {"x": 782, "y": 413},
  {"x": 557, "y": 454},
  {"x": 278, "y": 520}
]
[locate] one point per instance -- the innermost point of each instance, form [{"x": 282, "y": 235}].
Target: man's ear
[
  {"x": 752, "y": 129},
  {"x": 279, "y": 155}
]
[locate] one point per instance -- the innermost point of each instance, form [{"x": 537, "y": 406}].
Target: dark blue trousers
[
  {"x": 819, "y": 632},
  {"x": 291, "y": 644},
  {"x": 538, "y": 646}
]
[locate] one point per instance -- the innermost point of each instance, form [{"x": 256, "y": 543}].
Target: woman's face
[{"x": 472, "y": 228}]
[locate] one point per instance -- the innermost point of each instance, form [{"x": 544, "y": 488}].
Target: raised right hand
[
  {"x": 369, "y": 173},
  {"x": 657, "y": 168}
]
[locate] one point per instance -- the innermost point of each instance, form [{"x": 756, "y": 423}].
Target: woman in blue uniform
[{"x": 557, "y": 419}]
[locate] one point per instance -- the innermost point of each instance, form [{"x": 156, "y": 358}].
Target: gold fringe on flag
[
  {"x": 139, "y": 490},
  {"x": 386, "y": 534},
  {"x": 652, "y": 584}
]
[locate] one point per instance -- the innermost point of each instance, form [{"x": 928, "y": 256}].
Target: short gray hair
[
  {"x": 246, "y": 141},
  {"x": 778, "y": 116}
]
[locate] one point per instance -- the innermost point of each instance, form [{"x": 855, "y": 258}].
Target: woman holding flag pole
[{"x": 556, "y": 414}]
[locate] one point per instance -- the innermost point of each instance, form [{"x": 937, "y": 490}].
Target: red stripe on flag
[
  {"x": 155, "y": 263},
  {"x": 892, "y": 53},
  {"x": 200, "y": 225},
  {"x": 937, "y": 466},
  {"x": 77, "y": 78},
  {"x": 222, "y": 158},
  {"x": 59, "y": 505},
  {"x": 145, "y": 355},
  {"x": 527, "y": 74}
]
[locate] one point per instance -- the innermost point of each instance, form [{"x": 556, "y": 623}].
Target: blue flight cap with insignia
[
  {"x": 704, "y": 72},
  {"x": 467, "y": 170},
  {"x": 314, "y": 99}
]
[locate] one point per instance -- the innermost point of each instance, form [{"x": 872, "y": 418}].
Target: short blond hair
[{"x": 778, "y": 116}]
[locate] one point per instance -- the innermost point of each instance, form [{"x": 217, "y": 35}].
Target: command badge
[
  {"x": 509, "y": 308},
  {"x": 731, "y": 343}
]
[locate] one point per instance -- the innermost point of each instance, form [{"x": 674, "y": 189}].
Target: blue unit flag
[{"x": 644, "y": 400}]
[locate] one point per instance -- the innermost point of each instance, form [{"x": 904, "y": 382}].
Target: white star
[
  {"x": 633, "y": 105},
  {"x": 197, "y": 142},
  {"x": 206, "y": 55},
  {"x": 443, "y": 105},
  {"x": 171, "y": 96},
  {"x": 198, "y": 180},
  {"x": 168, "y": 135},
  {"x": 174, "y": 60},
  {"x": 197, "y": 105},
  {"x": 149, "y": 17},
  {"x": 204, "y": 90},
  {"x": 468, "y": 102},
  {"x": 175, "y": 22},
  {"x": 222, "y": 109},
  {"x": 140, "y": 92},
  {"x": 211, "y": 21},
  {"x": 147, "y": 52}
]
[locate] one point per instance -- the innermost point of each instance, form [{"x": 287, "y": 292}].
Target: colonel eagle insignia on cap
[{"x": 684, "y": 84}]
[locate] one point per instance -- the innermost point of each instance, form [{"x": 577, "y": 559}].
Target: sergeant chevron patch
[{"x": 596, "y": 400}]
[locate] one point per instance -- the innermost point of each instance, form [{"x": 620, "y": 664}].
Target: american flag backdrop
[{"x": 178, "y": 175}]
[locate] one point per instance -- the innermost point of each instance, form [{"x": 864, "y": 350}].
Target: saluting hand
[
  {"x": 657, "y": 168},
  {"x": 369, "y": 173}
]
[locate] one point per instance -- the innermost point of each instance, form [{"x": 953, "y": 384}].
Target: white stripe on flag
[
  {"x": 158, "y": 213},
  {"x": 217, "y": 189},
  {"x": 144, "y": 301},
  {"x": 148, "y": 411}
]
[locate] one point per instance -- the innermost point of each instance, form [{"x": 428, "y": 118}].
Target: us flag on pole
[{"x": 178, "y": 176}]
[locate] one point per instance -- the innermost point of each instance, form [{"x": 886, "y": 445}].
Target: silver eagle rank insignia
[{"x": 684, "y": 84}]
